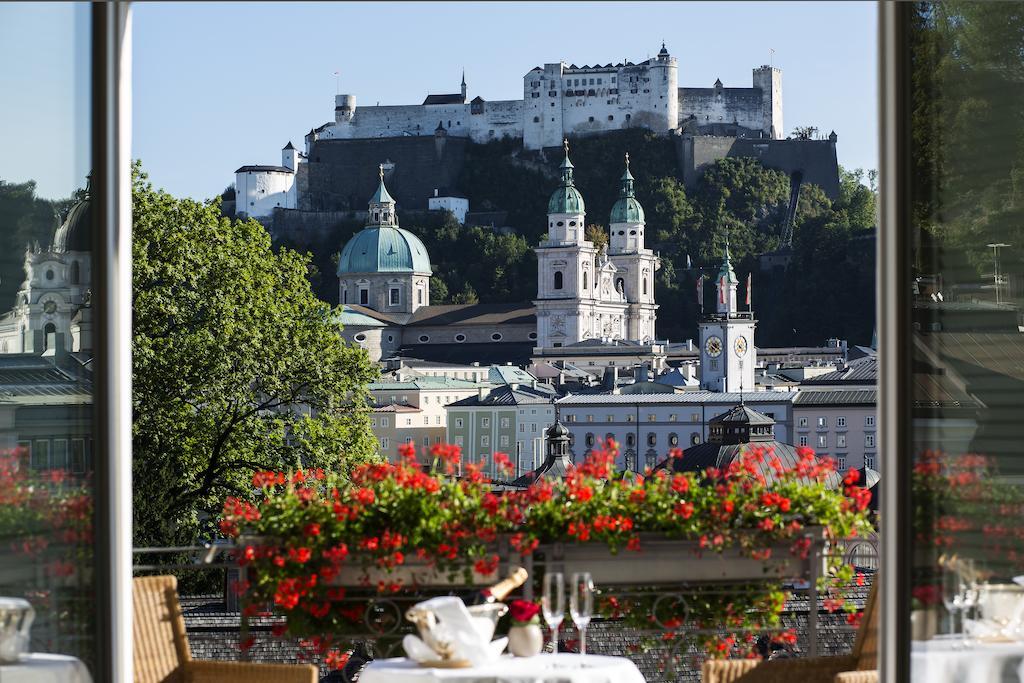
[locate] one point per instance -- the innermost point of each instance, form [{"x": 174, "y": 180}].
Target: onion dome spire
[{"x": 566, "y": 198}]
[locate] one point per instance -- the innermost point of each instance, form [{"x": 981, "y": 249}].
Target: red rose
[{"x": 523, "y": 611}]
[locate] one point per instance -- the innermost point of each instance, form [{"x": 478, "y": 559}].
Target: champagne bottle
[{"x": 498, "y": 591}]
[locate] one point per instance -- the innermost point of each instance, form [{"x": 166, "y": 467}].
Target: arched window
[
  {"x": 74, "y": 275},
  {"x": 584, "y": 279},
  {"x": 630, "y": 440},
  {"x": 47, "y": 331},
  {"x": 652, "y": 439},
  {"x": 645, "y": 285},
  {"x": 558, "y": 279}
]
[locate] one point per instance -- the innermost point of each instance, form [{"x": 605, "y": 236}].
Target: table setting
[
  {"x": 17, "y": 664},
  {"x": 985, "y": 642},
  {"x": 455, "y": 641}
]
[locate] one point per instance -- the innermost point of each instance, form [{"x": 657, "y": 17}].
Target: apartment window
[
  {"x": 671, "y": 417},
  {"x": 822, "y": 440},
  {"x": 840, "y": 421},
  {"x": 841, "y": 463},
  {"x": 426, "y": 442},
  {"x": 822, "y": 422},
  {"x": 485, "y": 440},
  {"x": 459, "y": 441},
  {"x": 373, "y": 422},
  {"x": 485, "y": 422},
  {"x": 840, "y": 440},
  {"x": 570, "y": 418},
  {"x": 408, "y": 422},
  {"x": 533, "y": 427},
  {"x": 504, "y": 441},
  {"x": 609, "y": 418},
  {"x": 590, "y": 418},
  {"x": 394, "y": 296},
  {"x": 385, "y": 443},
  {"x": 651, "y": 417},
  {"x": 426, "y": 419},
  {"x": 384, "y": 422},
  {"x": 458, "y": 423},
  {"x": 802, "y": 422},
  {"x": 41, "y": 455},
  {"x": 673, "y": 440},
  {"x": 437, "y": 419},
  {"x": 694, "y": 417},
  {"x": 522, "y": 427},
  {"x": 869, "y": 420},
  {"x": 59, "y": 454},
  {"x": 803, "y": 440},
  {"x": 869, "y": 441}
]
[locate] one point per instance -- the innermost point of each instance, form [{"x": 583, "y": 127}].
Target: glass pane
[
  {"x": 46, "y": 420},
  {"x": 968, "y": 349}
]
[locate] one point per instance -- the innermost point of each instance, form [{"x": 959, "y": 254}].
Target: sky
[{"x": 220, "y": 85}]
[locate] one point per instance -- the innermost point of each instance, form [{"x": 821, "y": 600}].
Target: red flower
[
  {"x": 312, "y": 529},
  {"x": 336, "y": 659},
  {"x": 633, "y": 544},
  {"x": 365, "y": 496},
  {"x": 680, "y": 484},
  {"x": 523, "y": 611},
  {"x": 487, "y": 565},
  {"x": 684, "y": 510}
]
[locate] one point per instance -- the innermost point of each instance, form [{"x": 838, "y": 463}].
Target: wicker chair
[
  {"x": 857, "y": 667},
  {"x": 162, "y": 654}
]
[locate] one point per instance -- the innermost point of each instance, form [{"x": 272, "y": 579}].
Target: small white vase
[{"x": 525, "y": 641}]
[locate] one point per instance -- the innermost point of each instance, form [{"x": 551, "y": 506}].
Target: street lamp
[{"x": 997, "y": 276}]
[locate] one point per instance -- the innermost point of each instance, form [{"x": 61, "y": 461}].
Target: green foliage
[{"x": 237, "y": 366}]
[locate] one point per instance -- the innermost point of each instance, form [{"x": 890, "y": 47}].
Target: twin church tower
[{"x": 586, "y": 292}]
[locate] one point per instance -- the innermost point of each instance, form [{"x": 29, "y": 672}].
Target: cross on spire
[
  {"x": 381, "y": 167},
  {"x": 565, "y": 144}
]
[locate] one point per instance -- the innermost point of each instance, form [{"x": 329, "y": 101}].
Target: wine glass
[
  {"x": 581, "y": 606},
  {"x": 969, "y": 594},
  {"x": 952, "y": 597},
  {"x": 553, "y": 604}
]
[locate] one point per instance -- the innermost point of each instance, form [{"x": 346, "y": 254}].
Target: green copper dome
[
  {"x": 627, "y": 209},
  {"x": 726, "y": 270},
  {"x": 384, "y": 249},
  {"x": 566, "y": 199}
]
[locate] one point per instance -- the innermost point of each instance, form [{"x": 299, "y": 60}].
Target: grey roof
[
  {"x": 505, "y": 395},
  {"x": 702, "y": 456},
  {"x": 509, "y": 374},
  {"x": 743, "y": 414},
  {"x": 289, "y": 145},
  {"x": 421, "y": 383},
  {"x": 449, "y": 98},
  {"x": 861, "y": 397},
  {"x": 861, "y": 371},
  {"x": 731, "y": 398},
  {"x": 261, "y": 169}
]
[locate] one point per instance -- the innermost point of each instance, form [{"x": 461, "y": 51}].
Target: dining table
[
  {"x": 563, "y": 667},
  {"x": 38, "y": 667},
  {"x": 952, "y": 660}
]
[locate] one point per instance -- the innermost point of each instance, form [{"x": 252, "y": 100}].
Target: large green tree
[{"x": 237, "y": 365}]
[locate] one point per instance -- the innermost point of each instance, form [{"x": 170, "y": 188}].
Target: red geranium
[{"x": 523, "y": 612}]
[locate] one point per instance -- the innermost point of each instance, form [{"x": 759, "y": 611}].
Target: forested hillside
[{"x": 828, "y": 290}]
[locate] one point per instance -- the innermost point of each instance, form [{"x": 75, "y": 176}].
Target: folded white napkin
[
  {"x": 456, "y": 625},
  {"x": 984, "y": 629}
]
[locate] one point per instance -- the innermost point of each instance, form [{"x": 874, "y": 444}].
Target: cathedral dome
[
  {"x": 566, "y": 199},
  {"x": 384, "y": 249},
  {"x": 75, "y": 233},
  {"x": 627, "y": 209}
]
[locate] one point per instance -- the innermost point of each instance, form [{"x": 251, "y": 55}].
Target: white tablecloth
[
  {"x": 45, "y": 668},
  {"x": 561, "y": 668},
  {"x": 942, "y": 661}
]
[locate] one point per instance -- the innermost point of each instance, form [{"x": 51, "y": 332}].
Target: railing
[{"x": 664, "y": 579}]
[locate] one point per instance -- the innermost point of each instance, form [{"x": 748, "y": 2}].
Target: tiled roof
[
  {"x": 424, "y": 383},
  {"x": 349, "y": 317},
  {"x": 484, "y": 353},
  {"x": 505, "y": 396},
  {"x": 686, "y": 397},
  {"x": 263, "y": 169},
  {"x": 451, "y": 98},
  {"x": 395, "y": 408},
  {"x": 860, "y": 371},
  {"x": 863, "y": 397},
  {"x": 474, "y": 314},
  {"x": 743, "y": 414}
]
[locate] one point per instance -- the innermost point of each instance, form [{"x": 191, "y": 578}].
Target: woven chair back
[
  {"x": 865, "y": 648},
  {"x": 158, "y": 630}
]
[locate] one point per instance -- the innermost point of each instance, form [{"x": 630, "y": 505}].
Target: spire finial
[
  {"x": 381, "y": 168},
  {"x": 565, "y": 144},
  {"x": 627, "y": 161},
  {"x": 463, "y": 76}
]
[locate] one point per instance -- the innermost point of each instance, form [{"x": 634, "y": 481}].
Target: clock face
[
  {"x": 713, "y": 346},
  {"x": 50, "y": 306},
  {"x": 740, "y": 346}
]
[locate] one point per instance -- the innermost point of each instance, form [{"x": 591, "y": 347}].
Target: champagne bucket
[
  {"x": 16, "y": 617},
  {"x": 1002, "y": 603}
]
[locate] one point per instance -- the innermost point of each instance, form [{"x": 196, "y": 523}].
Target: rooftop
[
  {"x": 691, "y": 397},
  {"x": 863, "y": 397}
]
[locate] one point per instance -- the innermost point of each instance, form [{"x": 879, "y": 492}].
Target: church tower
[
  {"x": 636, "y": 265},
  {"x": 727, "y": 348},
  {"x": 577, "y": 297}
]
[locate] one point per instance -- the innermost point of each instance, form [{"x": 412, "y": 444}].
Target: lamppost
[{"x": 997, "y": 276}]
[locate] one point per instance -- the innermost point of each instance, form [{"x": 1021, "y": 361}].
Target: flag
[
  {"x": 721, "y": 291},
  {"x": 688, "y": 263},
  {"x": 749, "y": 276},
  {"x": 700, "y": 290}
]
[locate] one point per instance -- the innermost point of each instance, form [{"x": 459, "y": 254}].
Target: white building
[
  {"x": 261, "y": 189},
  {"x": 728, "y": 355},
  {"x": 562, "y": 100},
  {"x": 647, "y": 426},
  {"x": 458, "y": 206},
  {"x": 839, "y": 423},
  {"x": 588, "y": 293}
]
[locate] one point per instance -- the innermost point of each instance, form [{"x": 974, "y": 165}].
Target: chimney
[
  {"x": 481, "y": 393},
  {"x": 643, "y": 373},
  {"x": 611, "y": 376},
  {"x": 533, "y": 384},
  {"x": 435, "y": 191}
]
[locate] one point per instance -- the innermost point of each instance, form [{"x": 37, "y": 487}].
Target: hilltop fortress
[
  {"x": 563, "y": 100},
  {"x": 423, "y": 146}
]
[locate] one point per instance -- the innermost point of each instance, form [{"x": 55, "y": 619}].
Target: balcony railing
[{"x": 646, "y": 598}]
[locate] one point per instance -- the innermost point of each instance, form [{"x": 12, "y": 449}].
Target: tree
[
  {"x": 597, "y": 234},
  {"x": 804, "y": 133},
  {"x": 238, "y": 367}
]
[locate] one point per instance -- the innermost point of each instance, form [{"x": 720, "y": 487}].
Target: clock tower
[{"x": 727, "y": 353}]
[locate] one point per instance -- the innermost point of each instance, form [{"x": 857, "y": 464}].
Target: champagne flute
[
  {"x": 553, "y": 604},
  {"x": 952, "y": 597},
  {"x": 968, "y": 596},
  {"x": 581, "y": 606}
]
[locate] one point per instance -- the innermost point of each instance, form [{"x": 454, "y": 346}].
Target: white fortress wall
[
  {"x": 723, "y": 105},
  {"x": 259, "y": 192},
  {"x": 404, "y": 119},
  {"x": 500, "y": 119}
]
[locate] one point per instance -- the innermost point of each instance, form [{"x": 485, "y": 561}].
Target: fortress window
[
  {"x": 460, "y": 337},
  {"x": 584, "y": 279},
  {"x": 591, "y": 81},
  {"x": 364, "y": 296},
  {"x": 632, "y": 232},
  {"x": 611, "y": 117},
  {"x": 622, "y": 232},
  {"x": 532, "y": 335},
  {"x": 360, "y": 337},
  {"x": 613, "y": 79},
  {"x": 645, "y": 285},
  {"x": 536, "y": 119},
  {"x": 496, "y": 336},
  {"x": 572, "y": 223},
  {"x": 560, "y": 223},
  {"x": 558, "y": 279}
]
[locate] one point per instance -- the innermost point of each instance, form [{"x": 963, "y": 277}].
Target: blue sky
[{"x": 219, "y": 85}]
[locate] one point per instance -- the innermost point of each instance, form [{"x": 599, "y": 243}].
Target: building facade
[
  {"x": 842, "y": 424},
  {"x": 728, "y": 355},
  {"x": 647, "y": 426},
  {"x": 261, "y": 189},
  {"x": 562, "y": 100}
]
